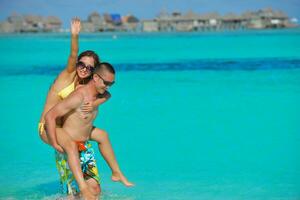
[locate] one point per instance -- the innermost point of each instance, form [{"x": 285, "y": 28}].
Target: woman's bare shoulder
[{"x": 64, "y": 79}]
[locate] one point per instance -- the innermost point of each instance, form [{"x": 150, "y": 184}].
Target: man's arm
[
  {"x": 75, "y": 29},
  {"x": 73, "y": 101}
]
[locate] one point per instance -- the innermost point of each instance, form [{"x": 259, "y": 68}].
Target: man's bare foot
[
  {"x": 87, "y": 194},
  {"x": 118, "y": 176},
  {"x": 69, "y": 197}
]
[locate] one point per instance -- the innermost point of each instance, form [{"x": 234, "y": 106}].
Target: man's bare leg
[
  {"x": 107, "y": 152},
  {"x": 71, "y": 150},
  {"x": 94, "y": 187}
]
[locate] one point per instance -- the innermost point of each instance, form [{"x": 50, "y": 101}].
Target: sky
[{"x": 143, "y": 9}]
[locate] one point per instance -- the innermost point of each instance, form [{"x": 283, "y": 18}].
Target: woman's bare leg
[
  {"x": 107, "y": 152},
  {"x": 43, "y": 135}
]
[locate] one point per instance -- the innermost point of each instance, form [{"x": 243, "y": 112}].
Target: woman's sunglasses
[{"x": 81, "y": 66}]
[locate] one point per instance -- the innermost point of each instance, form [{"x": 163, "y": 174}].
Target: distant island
[{"x": 164, "y": 22}]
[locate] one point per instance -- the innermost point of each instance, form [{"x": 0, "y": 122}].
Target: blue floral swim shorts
[{"x": 88, "y": 166}]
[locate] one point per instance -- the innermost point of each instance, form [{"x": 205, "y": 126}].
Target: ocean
[{"x": 193, "y": 116}]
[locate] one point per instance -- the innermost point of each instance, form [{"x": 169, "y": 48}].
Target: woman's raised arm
[{"x": 75, "y": 29}]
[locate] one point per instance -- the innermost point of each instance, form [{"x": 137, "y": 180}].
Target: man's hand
[{"x": 75, "y": 26}]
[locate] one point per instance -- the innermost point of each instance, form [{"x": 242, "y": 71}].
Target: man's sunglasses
[
  {"x": 81, "y": 66},
  {"x": 107, "y": 83}
]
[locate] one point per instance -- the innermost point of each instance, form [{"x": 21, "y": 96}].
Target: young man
[
  {"x": 77, "y": 72},
  {"x": 78, "y": 126}
]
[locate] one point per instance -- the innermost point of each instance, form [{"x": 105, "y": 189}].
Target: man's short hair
[{"x": 104, "y": 66}]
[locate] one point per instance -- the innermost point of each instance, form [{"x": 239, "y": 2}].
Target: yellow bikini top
[{"x": 66, "y": 91}]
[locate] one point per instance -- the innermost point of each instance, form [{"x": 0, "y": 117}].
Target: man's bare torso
[{"x": 78, "y": 124}]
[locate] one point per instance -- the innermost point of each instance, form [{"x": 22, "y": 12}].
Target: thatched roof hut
[
  {"x": 33, "y": 19},
  {"x": 107, "y": 18},
  {"x": 208, "y": 16},
  {"x": 190, "y": 16},
  {"x": 6, "y": 27},
  {"x": 15, "y": 18},
  {"x": 130, "y": 19},
  {"x": 248, "y": 15},
  {"x": 279, "y": 15},
  {"x": 164, "y": 16},
  {"x": 94, "y": 17},
  {"x": 53, "y": 20},
  {"x": 231, "y": 17}
]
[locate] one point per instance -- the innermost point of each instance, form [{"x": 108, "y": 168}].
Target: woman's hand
[
  {"x": 75, "y": 26},
  {"x": 58, "y": 148},
  {"x": 87, "y": 107}
]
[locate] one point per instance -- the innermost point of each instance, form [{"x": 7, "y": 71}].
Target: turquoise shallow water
[
  {"x": 52, "y": 50},
  {"x": 179, "y": 132}
]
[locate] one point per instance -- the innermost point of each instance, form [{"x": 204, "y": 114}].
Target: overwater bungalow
[
  {"x": 150, "y": 25},
  {"x": 33, "y": 23},
  {"x": 164, "y": 21},
  {"x": 231, "y": 21},
  {"x": 52, "y": 24},
  {"x": 6, "y": 27},
  {"x": 16, "y": 21},
  {"x": 187, "y": 22},
  {"x": 87, "y": 26},
  {"x": 209, "y": 21},
  {"x": 266, "y": 18},
  {"x": 113, "y": 22},
  {"x": 130, "y": 22},
  {"x": 97, "y": 20}
]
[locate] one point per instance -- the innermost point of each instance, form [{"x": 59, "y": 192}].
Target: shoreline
[{"x": 158, "y": 32}]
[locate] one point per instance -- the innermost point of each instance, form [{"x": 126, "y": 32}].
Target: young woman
[{"x": 78, "y": 72}]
